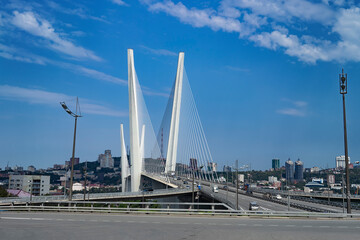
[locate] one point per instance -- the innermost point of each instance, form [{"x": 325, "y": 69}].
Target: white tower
[
  {"x": 175, "y": 117},
  {"x": 124, "y": 162},
  {"x": 135, "y": 152}
]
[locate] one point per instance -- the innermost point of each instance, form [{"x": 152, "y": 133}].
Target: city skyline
[{"x": 271, "y": 77}]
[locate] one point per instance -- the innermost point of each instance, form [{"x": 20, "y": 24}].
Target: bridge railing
[
  {"x": 165, "y": 208},
  {"x": 92, "y": 196},
  {"x": 296, "y": 193}
]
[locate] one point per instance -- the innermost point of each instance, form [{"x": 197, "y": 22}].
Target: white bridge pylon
[
  {"x": 175, "y": 117},
  {"x": 181, "y": 126}
]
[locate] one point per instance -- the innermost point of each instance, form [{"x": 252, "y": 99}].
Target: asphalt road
[
  {"x": 62, "y": 226},
  {"x": 244, "y": 200}
]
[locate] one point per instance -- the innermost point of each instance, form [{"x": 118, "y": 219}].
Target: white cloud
[
  {"x": 270, "y": 24},
  {"x": 35, "y": 96},
  {"x": 298, "y": 108},
  {"x": 292, "y": 112},
  {"x": 100, "y": 75},
  {"x": 81, "y": 12},
  {"x": 20, "y": 55},
  {"x": 119, "y": 2},
  {"x": 36, "y": 26},
  {"x": 284, "y": 10},
  {"x": 163, "y": 52},
  {"x": 196, "y": 17},
  {"x": 238, "y": 69}
]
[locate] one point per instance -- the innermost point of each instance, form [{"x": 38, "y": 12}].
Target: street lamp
[
  {"x": 31, "y": 190},
  {"x": 343, "y": 91},
  {"x": 75, "y": 115}
]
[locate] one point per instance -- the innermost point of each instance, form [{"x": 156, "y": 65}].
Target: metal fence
[
  {"x": 93, "y": 196},
  {"x": 210, "y": 209}
]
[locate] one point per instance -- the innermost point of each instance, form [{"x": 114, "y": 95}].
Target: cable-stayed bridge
[{"x": 180, "y": 147}]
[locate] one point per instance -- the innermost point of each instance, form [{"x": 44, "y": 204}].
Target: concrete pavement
[{"x": 128, "y": 227}]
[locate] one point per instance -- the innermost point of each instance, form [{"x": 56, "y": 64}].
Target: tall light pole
[
  {"x": 343, "y": 91},
  {"x": 237, "y": 185},
  {"x": 75, "y": 115}
]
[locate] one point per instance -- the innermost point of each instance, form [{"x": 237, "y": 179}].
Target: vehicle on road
[
  {"x": 185, "y": 182},
  {"x": 225, "y": 187},
  {"x": 253, "y": 206},
  {"x": 215, "y": 189},
  {"x": 278, "y": 197}
]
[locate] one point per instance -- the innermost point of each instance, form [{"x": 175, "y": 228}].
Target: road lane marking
[{"x": 15, "y": 218}]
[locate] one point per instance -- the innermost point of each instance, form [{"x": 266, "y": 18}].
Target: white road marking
[{"x": 15, "y": 218}]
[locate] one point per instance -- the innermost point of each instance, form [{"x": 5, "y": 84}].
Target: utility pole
[
  {"x": 343, "y": 91},
  {"x": 193, "y": 190},
  {"x": 227, "y": 187},
  {"x": 342, "y": 191},
  {"x": 85, "y": 174},
  {"x": 237, "y": 185}
]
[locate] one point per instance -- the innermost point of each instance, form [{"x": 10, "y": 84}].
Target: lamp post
[
  {"x": 31, "y": 190},
  {"x": 199, "y": 187},
  {"x": 237, "y": 185},
  {"x": 343, "y": 91},
  {"x": 75, "y": 115}
]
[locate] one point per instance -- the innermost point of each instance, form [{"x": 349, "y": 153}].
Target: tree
[{"x": 3, "y": 192}]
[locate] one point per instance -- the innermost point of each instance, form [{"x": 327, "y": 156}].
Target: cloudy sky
[{"x": 264, "y": 74}]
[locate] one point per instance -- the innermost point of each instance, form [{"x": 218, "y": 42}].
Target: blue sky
[{"x": 264, "y": 75}]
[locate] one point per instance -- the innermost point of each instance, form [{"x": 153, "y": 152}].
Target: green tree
[{"x": 3, "y": 192}]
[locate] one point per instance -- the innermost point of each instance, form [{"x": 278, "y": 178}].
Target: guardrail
[
  {"x": 93, "y": 196},
  {"x": 295, "y": 193},
  {"x": 152, "y": 208}
]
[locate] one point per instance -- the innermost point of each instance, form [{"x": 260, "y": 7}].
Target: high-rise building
[
  {"x": 106, "y": 160},
  {"x": 31, "y": 168},
  {"x": 272, "y": 179},
  {"x": 212, "y": 167},
  {"x": 275, "y": 163},
  {"x": 289, "y": 170},
  {"x": 227, "y": 168},
  {"x": 299, "y": 170},
  {"x": 340, "y": 161},
  {"x": 330, "y": 179},
  {"x": 68, "y": 163},
  {"x": 193, "y": 164},
  {"x": 33, "y": 184}
]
